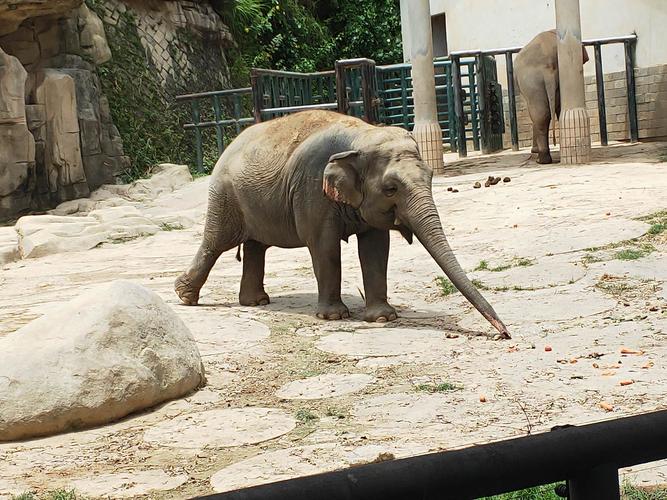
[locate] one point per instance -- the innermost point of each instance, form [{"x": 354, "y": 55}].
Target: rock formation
[{"x": 110, "y": 352}]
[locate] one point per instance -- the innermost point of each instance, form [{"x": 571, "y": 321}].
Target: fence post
[
  {"x": 461, "y": 145},
  {"x": 368, "y": 91},
  {"x": 630, "y": 84},
  {"x": 511, "y": 99},
  {"x": 217, "y": 111},
  {"x": 196, "y": 120},
  {"x": 341, "y": 89},
  {"x": 599, "y": 81},
  {"x": 598, "y": 483},
  {"x": 257, "y": 95},
  {"x": 484, "y": 123}
]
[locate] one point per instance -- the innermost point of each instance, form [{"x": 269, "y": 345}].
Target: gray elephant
[
  {"x": 313, "y": 179},
  {"x": 536, "y": 78}
]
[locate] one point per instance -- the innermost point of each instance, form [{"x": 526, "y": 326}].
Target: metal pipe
[
  {"x": 600, "y": 482},
  {"x": 511, "y": 98},
  {"x": 630, "y": 84},
  {"x": 599, "y": 80},
  {"x": 485, "y": 470}
]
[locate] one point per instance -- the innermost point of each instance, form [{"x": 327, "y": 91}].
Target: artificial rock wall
[{"x": 59, "y": 137}]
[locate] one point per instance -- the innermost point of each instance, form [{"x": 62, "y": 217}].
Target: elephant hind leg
[
  {"x": 540, "y": 115},
  {"x": 223, "y": 231},
  {"x": 252, "y": 282}
]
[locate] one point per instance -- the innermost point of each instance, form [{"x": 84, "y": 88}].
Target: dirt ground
[{"x": 566, "y": 255}]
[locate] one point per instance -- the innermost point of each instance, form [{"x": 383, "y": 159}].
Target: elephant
[
  {"x": 536, "y": 78},
  {"x": 314, "y": 178}
]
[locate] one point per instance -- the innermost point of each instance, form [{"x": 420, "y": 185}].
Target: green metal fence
[
  {"x": 395, "y": 90},
  {"x": 226, "y": 112},
  {"x": 276, "y": 93}
]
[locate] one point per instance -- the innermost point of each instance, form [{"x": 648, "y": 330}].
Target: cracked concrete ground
[{"x": 289, "y": 395}]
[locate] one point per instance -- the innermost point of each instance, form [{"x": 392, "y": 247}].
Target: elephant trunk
[{"x": 422, "y": 216}]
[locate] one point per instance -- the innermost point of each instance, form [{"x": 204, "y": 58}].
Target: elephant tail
[{"x": 553, "y": 96}]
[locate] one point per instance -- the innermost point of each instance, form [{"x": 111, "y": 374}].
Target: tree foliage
[{"x": 309, "y": 35}]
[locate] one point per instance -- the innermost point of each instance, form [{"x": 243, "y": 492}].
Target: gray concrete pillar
[
  {"x": 427, "y": 132},
  {"x": 575, "y": 128}
]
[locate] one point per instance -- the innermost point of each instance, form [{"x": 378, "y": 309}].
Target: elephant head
[{"x": 386, "y": 180}]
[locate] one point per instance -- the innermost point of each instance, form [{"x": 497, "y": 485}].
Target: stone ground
[{"x": 288, "y": 394}]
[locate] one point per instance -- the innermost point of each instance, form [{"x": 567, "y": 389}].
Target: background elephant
[
  {"x": 312, "y": 179},
  {"x": 536, "y": 78}
]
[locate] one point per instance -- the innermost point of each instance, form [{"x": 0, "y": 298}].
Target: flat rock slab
[
  {"x": 652, "y": 267},
  {"x": 545, "y": 272},
  {"x": 324, "y": 386},
  {"x": 420, "y": 415},
  {"x": 221, "y": 428},
  {"x": 128, "y": 484},
  {"x": 306, "y": 460},
  {"x": 226, "y": 334},
  {"x": 550, "y": 304},
  {"x": 383, "y": 342},
  {"x": 10, "y": 489}
]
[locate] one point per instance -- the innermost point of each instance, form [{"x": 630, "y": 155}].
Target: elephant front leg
[
  {"x": 374, "y": 255},
  {"x": 325, "y": 253},
  {"x": 252, "y": 282}
]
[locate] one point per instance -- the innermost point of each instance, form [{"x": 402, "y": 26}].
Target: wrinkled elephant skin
[
  {"x": 313, "y": 179},
  {"x": 536, "y": 78}
]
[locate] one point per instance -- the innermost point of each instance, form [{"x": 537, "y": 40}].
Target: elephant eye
[{"x": 389, "y": 190}]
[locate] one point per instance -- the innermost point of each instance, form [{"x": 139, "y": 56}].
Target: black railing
[
  {"x": 587, "y": 456},
  {"x": 629, "y": 42}
]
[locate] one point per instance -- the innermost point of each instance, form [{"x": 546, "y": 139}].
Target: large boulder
[
  {"x": 112, "y": 351},
  {"x": 17, "y": 150}
]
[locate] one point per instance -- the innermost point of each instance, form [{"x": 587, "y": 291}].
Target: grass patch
[
  {"x": 589, "y": 258},
  {"x": 515, "y": 262},
  {"x": 482, "y": 266},
  {"x": 52, "y": 495},
  {"x": 305, "y": 416},
  {"x": 446, "y": 286},
  {"x": 335, "y": 412},
  {"x": 635, "y": 253},
  {"x": 631, "y": 492},
  {"x": 545, "y": 492},
  {"x": 166, "y": 226},
  {"x": 442, "y": 387},
  {"x": 629, "y": 254},
  {"x": 657, "y": 228}
]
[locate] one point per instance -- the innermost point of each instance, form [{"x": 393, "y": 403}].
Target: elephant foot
[
  {"x": 544, "y": 158},
  {"x": 252, "y": 299},
  {"x": 185, "y": 290},
  {"x": 380, "y": 313},
  {"x": 337, "y": 310}
]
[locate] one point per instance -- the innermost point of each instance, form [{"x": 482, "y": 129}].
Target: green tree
[{"x": 363, "y": 28}]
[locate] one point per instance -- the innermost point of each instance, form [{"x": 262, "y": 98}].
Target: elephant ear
[{"x": 341, "y": 181}]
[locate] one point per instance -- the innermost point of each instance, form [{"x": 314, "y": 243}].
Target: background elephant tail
[{"x": 553, "y": 96}]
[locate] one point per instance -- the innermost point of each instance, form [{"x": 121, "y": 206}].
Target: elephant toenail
[{"x": 381, "y": 319}]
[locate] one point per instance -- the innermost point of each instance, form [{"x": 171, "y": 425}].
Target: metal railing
[
  {"x": 629, "y": 42},
  {"x": 588, "y": 457},
  {"x": 223, "y": 109},
  {"x": 395, "y": 90}
]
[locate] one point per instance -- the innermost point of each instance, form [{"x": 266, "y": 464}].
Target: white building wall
[{"x": 489, "y": 24}]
